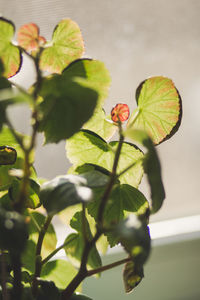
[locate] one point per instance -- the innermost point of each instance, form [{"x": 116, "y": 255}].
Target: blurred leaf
[
  {"x": 64, "y": 191},
  {"x": 13, "y": 230},
  {"x": 66, "y": 106},
  {"x": 133, "y": 234},
  {"x": 101, "y": 124},
  {"x": 48, "y": 290},
  {"x": 152, "y": 168},
  {"x": 74, "y": 248},
  {"x": 28, "y": 37},
  {"x": 8, "y": 155},
  {"x": 159, "y": 109},
  {"x": 67, "y": 45},
  {"x": 93, "y": 74},
  {"x": 9, "y": 53},
  {"x": 49, "y": 243},
  {"x": 87, "y": 147},
  {"x": 61, "y": 272},
  {"x": 131, "y": 276}
]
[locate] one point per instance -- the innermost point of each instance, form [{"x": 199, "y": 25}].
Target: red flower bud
[{"x": 120, "y": 112}]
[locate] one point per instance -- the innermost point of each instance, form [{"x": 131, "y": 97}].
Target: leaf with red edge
[
  {"x": 120, "y": 112},
  {"x": 10, "y": 54},
  {"x": 67, "y": 46},
  {"x": 159, "y": 108},
  {"x": 28, "y": 37}
]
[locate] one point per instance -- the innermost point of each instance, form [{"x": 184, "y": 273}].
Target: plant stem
[
  {"x": 83, "y": 273},
  {"x": 44, "y": 261},
  {"x": 38, "y": 263},
  {"x": 17, "y": 285},
  {"x": 5, "y": 295},
  {"x": 108, "y": 267}
]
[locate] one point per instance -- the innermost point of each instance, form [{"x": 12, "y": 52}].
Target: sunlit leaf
[
  {"x": 87, "y": 147},
  {"x": 61, "y": 272},
  {"x": 66, "y": 106},
  {"x": 64, "y": 191},
  {"x": 152, "y": 167},
  {"x": 96, "y": 75},
  {"x": 159, "y": 109},
  {"x": 101, "y": 124},
  {"x": 28, "y": 37},
  {"x": 67, "y": 45},
  {"x": 9, "y": 53},
  {"x": 75, "y": 245}
]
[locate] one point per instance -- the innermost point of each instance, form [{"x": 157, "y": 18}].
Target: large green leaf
[
  {"x": 96, "y": 75},
  {"x": 66, "y": 46},
  {"x": 87, "y": 147},
  {"x": 66, "y": 106},
  {"x": 123, "y": 198},
  {"x": 152, "y": 168},
  {"x": 64, "y": 191},
  {"x": 159, "y": 108},
  {"x": 75, "y": 243},
  {"x": 9, "y": 53},
  {"x": 61, "y": 272},
  {"x": 101, "y": 124}
]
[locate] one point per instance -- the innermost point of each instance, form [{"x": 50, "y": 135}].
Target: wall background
[{"x": 135, "y": 39}]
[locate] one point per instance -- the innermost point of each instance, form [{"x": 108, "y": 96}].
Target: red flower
[{"x": 120, "y": 112}]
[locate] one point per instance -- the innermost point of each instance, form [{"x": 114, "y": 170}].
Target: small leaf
[
  {"x": 9, "y": 53},
  {"x": 120, "y": 112},
  {"x": 28, "y": 37},
  {"x": 66, "y": 106},
  {"x": 67, "y": 45},
  {"x": 64, "y": 191},
  {"x": 159, "y": 109},
  {"x": 48, "y": 290},
  {"x": 87, "y": 147},
  {"x": 61, "y": 272},
  {"x": 152, "y": 168},
  {"x": 75, "y": 246},
  {"x": 8, "y": 155},
  {"x": 131, "y": 276}
]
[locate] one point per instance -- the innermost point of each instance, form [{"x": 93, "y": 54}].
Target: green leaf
[
  {"x": 152, "y": 168},
  {"x": 74, "y": 248},
  {"x": 159, "y": 108},
  {"x": 87, "y": 147},
  {"x": 94, "y": 74},
  {"x": 66, "y": 106},
  {"x": 131, "y": 276},
  {"x": 64, "y": 191},
  {"x": 13, "y": 230},
  {"x": 61, "y": 272},
  {"x": 66, "y": 46},
  {"x": 49, "y": 243},
  {"x": 9, "y": 53},
  {"x": 101, "y": 124},
  {"x": 133, "y": 234},
  {"x": 8, "y": 155}
]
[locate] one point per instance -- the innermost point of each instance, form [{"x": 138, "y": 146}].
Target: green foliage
[{"x": 99, "y": 198}]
